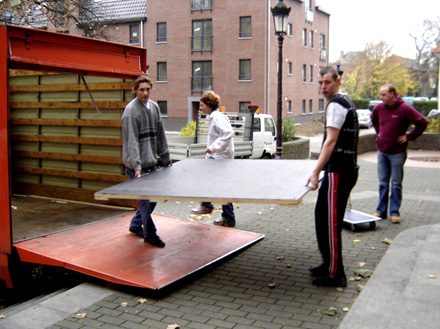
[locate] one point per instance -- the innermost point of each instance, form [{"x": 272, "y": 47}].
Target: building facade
[
  {"x": 230, "y": 46},
  {"x": 225, "y": 45}
]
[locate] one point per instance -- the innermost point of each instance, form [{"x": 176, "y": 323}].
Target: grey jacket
[{"x": 143, "y": 135}]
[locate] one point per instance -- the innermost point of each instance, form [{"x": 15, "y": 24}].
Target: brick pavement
[{"x": 236, "y": 293}]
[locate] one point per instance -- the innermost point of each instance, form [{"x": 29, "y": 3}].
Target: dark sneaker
[
  {"x": 155, "y": 241},
  {"x": 327, "y": 281},
  {"x": 138, "y": 231},
  {"x": 320, "y": 270},
  {"x": 201, "y": 210},
  {"x": 224, "y": 222}
]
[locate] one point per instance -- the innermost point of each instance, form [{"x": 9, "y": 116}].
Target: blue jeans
[
  {"x": 227, "y": 211},
  {"x": 390, "y": 167},
  {"x": 142, "y": 218}
]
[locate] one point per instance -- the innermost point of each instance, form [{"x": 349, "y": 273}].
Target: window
[
  {"x": 269, "y": 125},
  {"x": 304, "y": 36},
  {"x": 201, "y": 76},
  {"x": 289, "y": 106},
  {"x": 311, "y": 39},
  {"x": 321, "y": 105},
  {"x": 289, "y": 68},
  {"x": 243, "y": 107},
  {"x": 202, "y": 35},
  {"x": 134, "y": 33},
  {"x": 163, "y": 106},
  {"x": 303, "y": 106},
  {"x": 161, "y": 33},
  {"x": 322, "y": 41},
  {"x": 245, "y": 27},
  {"x": 304, "y": 73},
  {"x": 290, "y": 29},
  {"x": 311, "y": 73},
  {"x": 161, "y": 71},
  {"x": 201, "y": 4},
  {"x": 256, "y": 125},
  {"x": 322, "y": 48},
  {"x": 245, "y": 69},
  {"x": 310, "y": 105}
]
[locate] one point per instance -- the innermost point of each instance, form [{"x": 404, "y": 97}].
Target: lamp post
[{"x": 280, "y": 14}]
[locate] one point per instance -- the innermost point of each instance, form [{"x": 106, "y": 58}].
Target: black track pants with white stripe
[{"x": 329, "y": 215}]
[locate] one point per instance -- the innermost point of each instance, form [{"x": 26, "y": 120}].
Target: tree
[
  {"x": 426, "y": 65},
  {"x": 372, "y": 68},
  {"x": 58, "y": 15}
]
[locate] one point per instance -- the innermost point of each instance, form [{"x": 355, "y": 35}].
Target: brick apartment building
[
  {"x": 225, "y": 45},
  {"x": 230, "y": 46}
]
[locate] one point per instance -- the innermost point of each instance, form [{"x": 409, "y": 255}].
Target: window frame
[
  {"x": 241, "y": 67},
  {"x": 241, "y": 34},
  {"x": 160, "y": 38},
  {"x": 160, "y": 78},
  {"x": 163, "y": 113},
  {"x": 204, "y": 38},
  {"x": 134, "y": 40}
]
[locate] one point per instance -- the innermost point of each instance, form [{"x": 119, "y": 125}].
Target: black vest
[{"x": 344, "y": 156}]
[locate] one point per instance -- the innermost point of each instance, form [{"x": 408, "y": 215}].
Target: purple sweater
[{"x": 390, "y": 122}]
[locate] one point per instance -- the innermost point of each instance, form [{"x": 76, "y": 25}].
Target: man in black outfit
[{"x": 338, "y": 159}]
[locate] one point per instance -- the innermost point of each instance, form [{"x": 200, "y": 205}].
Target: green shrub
[
  {"x": 425, "y": 107},
  {"x": 288, "y": 131},
  {"x": 361, "y": 103},
  {"x": 434, "y": 125},
  {"x": 189, "y": 130}
]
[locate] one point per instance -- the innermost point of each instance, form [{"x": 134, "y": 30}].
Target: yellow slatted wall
[{"x": 61, "y": 145}]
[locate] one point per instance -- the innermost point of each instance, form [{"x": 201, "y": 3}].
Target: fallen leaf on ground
[
  {"x": 289, "y": 265},
  {"x": 387, "y": 241},
  {"x": 142, "y": 300},
  {"x": 79, "y": 315},
  {"x": 2, "y": 316},
  {"x": 359, "y": 287},
  {"x": 259, "y": 213},
  {"x": 272, "y": 285},
  {"x": 356, "y": 241},
  {"x": 361, "y": 264},
  {"x": 351, "y": 278},
  {"x": 339, "y": 289},
  {"x": 280, "y": 258},
  {"x": 364, "y": 273},
  {"x": 346, "y": 309},
  {"x": 432, "y": 276},
  {"x": 124, "y": 304},
  {"x": 331, "y": 311},
  {"x": 173, "y": 326}
]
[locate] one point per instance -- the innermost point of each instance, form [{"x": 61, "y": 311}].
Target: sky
[{"x": 354, "y": 23}]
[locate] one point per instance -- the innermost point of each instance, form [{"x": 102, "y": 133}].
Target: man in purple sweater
[{"x": 391, "y": 120}]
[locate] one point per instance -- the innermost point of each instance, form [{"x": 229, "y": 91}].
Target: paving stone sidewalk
[{"x": 268, "y": 284}]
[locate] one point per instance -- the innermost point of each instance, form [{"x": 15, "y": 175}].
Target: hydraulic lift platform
[{"x": 106, "y": 250}]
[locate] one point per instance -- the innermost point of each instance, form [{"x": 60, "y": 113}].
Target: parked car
[
  {"x": 409, "y": 99},
  {"x": 373, "y": 103},
  {"x": 433, "y": 99},
  {"x": 364, "y": 118},
  {"x": 421, "y": 99}
]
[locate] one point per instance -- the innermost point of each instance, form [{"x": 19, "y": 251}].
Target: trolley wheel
[
  {"x": 353, "y": 227},
  {"x": 372, "y": 225}
]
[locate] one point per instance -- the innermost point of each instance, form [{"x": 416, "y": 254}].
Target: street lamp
[{"x": 280, "y": 14}]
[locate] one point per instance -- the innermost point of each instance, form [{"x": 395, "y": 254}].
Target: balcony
[
  {"x": 201, "y": 43},
  {"x": 201, "y": 84},
  {"x": 201, "y": 4}
]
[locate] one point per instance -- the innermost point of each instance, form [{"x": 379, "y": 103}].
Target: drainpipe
[{"x": 267, "y": 73}]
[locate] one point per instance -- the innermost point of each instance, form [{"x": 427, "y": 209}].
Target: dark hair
[
  {"x": 211, "y": 99},
  {"x": 329, "y": 69},
  {"x": 390, "y": 88},
  {"x": 139, "y": 80}
]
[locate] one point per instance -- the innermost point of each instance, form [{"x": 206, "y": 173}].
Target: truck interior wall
[{"x": 61, "y": 145}]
